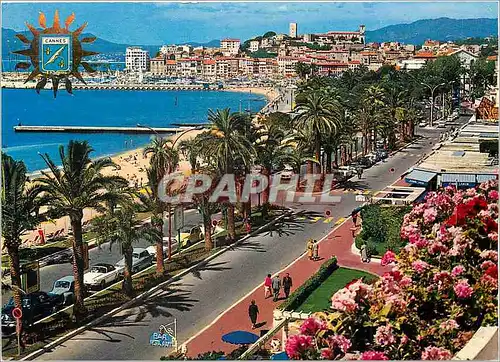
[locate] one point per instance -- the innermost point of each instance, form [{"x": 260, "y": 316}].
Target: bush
[
  {"x": 300, "y": 294},
  {"x": 381, "y": 228}
]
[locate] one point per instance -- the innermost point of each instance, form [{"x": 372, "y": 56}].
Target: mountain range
[{"x": 443, "y": 29}]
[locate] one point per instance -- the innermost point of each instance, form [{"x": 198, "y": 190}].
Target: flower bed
[
  {"x": 302, "y": 293},
  {"x": 381, "y": 228},
  {"x": 442, "y": 289}
]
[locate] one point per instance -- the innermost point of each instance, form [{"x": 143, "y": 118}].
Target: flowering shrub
[{"x": 442, "y": 288}]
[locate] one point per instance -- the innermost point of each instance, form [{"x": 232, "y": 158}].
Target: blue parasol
[
  {"x": 282, "y": 356},
  {"x": 240, "y": 337}
]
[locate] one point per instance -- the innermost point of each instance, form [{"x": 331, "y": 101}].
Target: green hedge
[
  {"x": 302, "y": 293},
  {"x": 381, "y": 228}
]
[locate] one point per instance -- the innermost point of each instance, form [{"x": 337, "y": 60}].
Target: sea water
[{"x": 104, "y": 108}]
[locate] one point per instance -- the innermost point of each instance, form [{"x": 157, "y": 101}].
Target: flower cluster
[{"x": 442, "y": 288}]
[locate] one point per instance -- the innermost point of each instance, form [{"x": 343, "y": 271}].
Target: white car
[
  {"x": 141, "y": 259},
  {"x": 100, "y": 275},
  {"x": 152, "y": 249},
  {"x": 287, "y": 173}
]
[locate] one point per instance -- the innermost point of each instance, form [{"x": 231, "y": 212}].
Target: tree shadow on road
[
  {"x": 209, "y": 267},
  {"x": 351, "y": 185}
]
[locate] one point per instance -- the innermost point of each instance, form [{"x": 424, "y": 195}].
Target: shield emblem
[{"x": 55, "y": 53}]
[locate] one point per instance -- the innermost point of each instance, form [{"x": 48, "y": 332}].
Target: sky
[{"x": 156, "y": 23}]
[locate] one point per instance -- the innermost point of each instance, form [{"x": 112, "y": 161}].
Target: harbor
[{"x": 93, "y": 129}]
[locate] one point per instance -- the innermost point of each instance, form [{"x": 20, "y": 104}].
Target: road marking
[
  {"x": 340, "y": 221},
  {"x": 328, "y": 220},
  {"x": 315, "y": 219},
  {"x": 366, "y": 192},
  {"x": 301, "y": 218},
  {"x": 256, "y": 288}
]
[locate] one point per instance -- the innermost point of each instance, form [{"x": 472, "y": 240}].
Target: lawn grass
[{"x": 319, "y": 299}]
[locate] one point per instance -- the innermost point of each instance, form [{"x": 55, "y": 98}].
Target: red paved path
[{"x": 338, "y": 243}]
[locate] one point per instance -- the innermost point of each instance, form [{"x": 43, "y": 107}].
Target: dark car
[{"x": 35, "y": 306}]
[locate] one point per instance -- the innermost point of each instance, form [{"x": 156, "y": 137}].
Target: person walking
[
  {"x": 267, "y": 286},
  {"x": 315, "y": 250},
  {"x": 309, "y": 248},
  {"x": 364, "y": 254},
  {"x": 287, "y": 284},
  {"x": 354, "y": 216},
  {"x": 253, "y": 312},
  {"x": 360, "y": 172},
  {"x": 276, "y": 284}
]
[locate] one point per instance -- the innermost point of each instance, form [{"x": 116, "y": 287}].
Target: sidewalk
[{"x": 338, "y": 242}]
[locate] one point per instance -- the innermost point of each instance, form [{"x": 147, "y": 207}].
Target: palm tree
[
  {"x": 77, "y": 185},
  {"x": 20, "y": 213},
  {"x": 164, "y": 160},
  {"x": 318, "y": 114},
  {"x": 122, "y": 226},
  {"x": 226, "y": 144}
]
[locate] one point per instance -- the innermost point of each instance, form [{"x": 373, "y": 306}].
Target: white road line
[{"x": 254, "y": 289}]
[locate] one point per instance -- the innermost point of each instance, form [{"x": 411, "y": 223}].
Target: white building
[
  {"x": 466, "y": 57},
  {"x": 136, "y": 59},
  {"x": 411, "y": 64},
  {"x": 254, "y": 45},
  {"x": 293, "y": 30},
  {"x": 230, "y": 47},
  {"x": 168, "y": 49}
]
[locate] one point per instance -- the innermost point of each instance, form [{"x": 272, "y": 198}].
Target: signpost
[
  {"x": 30, "y": 277},
  {"x": 17, "y": 313},
  {"x": 178, "y": 224},
  {"x": 86, "y": 260}
]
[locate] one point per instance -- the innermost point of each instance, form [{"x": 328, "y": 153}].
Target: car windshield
[
  {"x": 136, "y": 255},
  {"x": 61, "y": 284},
  {"x": 186, "y": 229},
  {"x": 98, "y": 269}
]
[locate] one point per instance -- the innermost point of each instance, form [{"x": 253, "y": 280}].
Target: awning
[
  {"x": 485, "y": 177},
  {"x": 419, "y": 177},
  {"x": 458, "y": 179}
]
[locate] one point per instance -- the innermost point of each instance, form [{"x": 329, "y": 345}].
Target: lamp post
[
  {"x": 169, "y": 206},
  {"x": 432, "y": 89}
]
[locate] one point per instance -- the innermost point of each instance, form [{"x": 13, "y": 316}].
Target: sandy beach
[{"x": 132, "y": 166}]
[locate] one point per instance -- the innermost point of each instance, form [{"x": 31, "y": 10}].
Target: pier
[
  {"x": 83, "y": 129},
  {"x": 116, "y": 86}
]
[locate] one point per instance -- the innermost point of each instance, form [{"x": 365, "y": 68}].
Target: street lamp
[
  {"x": 170, "y": 211},
  {"x": 432, "y": 89}
]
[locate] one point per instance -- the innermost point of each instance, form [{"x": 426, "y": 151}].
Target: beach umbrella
[
  {"x": 240, "y": 337},
  {"x": 282, "y": 356}
]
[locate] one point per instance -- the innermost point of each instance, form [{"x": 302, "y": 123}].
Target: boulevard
[{"x": 197, "y": 299}]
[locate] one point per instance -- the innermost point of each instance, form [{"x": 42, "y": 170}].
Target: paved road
[{"x": 198, "y": 298}]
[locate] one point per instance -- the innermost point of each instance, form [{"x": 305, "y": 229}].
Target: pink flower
[
  {"x": 493, "y": 236},
  {"x": 430, "y": 215},
  {"x": 441, "y": 279},
  {"x": 327, "y": 353},
  {"x": 404, "y": 339},
  {"x": 344, "y": 301},
  {"x": 311, "y": 326},
  {"x": 340, "y": 342},
  {"x": 389, "y": 257},
  {"x": 420, "y": 266},
  {"x": 489, "y": 254},
  {"x": 373, "y": 356},
  {"x": 436, "y": 354},
  {"x": 457, "y": 270},
  {"x": 493, "y": 195},
  {"x": 463, "y": 289},
  {"x": 297, "y": 345},
  {"x": 405, "y": 281},
  {"x": 384, "y": 335},
  {"x": 449, "y": 325},
  {"x": 436, "y": 247},
  {"x": 486, "y": 264}
]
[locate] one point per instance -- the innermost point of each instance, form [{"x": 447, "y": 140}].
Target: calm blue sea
[{"x": 103, "y": 108}]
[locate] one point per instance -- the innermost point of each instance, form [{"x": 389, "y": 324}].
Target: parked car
[
  {"x": 287, "y": 173},
  {"x": 422, "y": 124},
  {"x": 141, "y": 259},
  {"x": 100, "y": 275},
  {"x": 190, "y": 234},
  {"x": 35, "y": 306},
  {"x": 64, "y": 287},
  {"x": 441, "y": 124},
  {"x": 62, "y": 257},
  {"x": 152, "y": 249}
]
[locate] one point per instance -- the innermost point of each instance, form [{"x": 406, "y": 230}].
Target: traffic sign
[
  {"x": 392, "y": 170},
  {"x": 214, "y": 222},
  {"x": 178, "y": 217},
  {"x": 17, "y": 313},
  {"x": 328, "y": 213}
]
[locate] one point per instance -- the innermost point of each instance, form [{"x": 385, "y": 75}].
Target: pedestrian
[
  {"x": 253, "y": 311},
  {"x": 364, "y": 254},
  {"x": 360, "y": 172},
  {"x": 276, "y": 284},
  {"x": 309, "y": 248},
  {"x": 267, "y": 286},
  {"x": 354, "y": 216},
  {"x": 316, "y": 250},
  {"x": 287, "y": 284}
]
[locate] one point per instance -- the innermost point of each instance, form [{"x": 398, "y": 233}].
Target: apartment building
[
  {"x": 136, "y": 59},
  {"x": 230, "y": 47},
  {"x": 158, "y": 65},
  {"x": 254, "y": 45}
]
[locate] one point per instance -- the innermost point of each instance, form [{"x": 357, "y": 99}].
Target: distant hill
[
  {"x": 10, "y": 43},
  {"x": 443, "y": 29}
]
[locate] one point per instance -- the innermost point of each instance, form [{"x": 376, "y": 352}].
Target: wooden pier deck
[{"x": 83, "y": 129}]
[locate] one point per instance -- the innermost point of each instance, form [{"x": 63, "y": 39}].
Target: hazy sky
[{"x": 160, "y": 23}]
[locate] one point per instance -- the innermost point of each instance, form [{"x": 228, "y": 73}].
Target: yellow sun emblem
[{"x": 55, "y": 53}]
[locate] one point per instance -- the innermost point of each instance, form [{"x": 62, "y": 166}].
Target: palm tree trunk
[
  {"x": 207, "y": 224},
  {"x": 160, "y": 263},
  {"x": 328, "y": 160},
  {"x": 15, "y": 274},
  {"x": 309, "y": 169},
  {"x": 79, "y": 309},
  {"x": 127, "y": 271},
  {"x": 265, "y": 192},
  {"x": 318, "y": 153},
  {"x": 231, "y": 230},
  {"x": 169, "y": 210}
]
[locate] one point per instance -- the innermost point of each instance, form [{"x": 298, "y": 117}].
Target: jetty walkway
[{"x": 85, "y": 129}]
